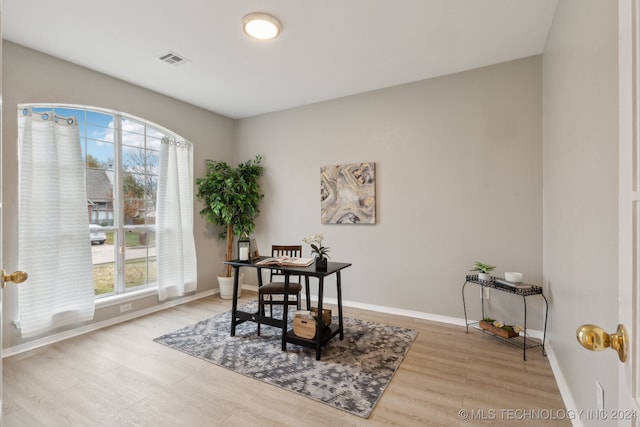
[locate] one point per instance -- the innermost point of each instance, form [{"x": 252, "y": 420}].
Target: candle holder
[{"x": 244, "y": 248}]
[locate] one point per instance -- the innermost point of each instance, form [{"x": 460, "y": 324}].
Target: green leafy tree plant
[{"x": 232, "y": 198}]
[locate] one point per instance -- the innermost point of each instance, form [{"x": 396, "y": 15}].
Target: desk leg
[
  {"x": 307, "y": 292},
  {"x": 260, "y": 300},
  {"x": 340, "y": 323},
  {"x": 285, "y": 312},
  {"x": 234, "y": 306},
  {"x": 319, "y": 322}
]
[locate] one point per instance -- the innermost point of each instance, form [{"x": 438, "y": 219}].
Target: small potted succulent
[{"x": 483, "y": 270}]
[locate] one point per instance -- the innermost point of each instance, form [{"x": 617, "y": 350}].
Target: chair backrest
[{"x": 284, "y": 250}]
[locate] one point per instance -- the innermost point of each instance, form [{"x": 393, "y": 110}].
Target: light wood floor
[{"x": 118, "y": 376}]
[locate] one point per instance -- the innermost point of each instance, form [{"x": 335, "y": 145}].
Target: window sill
[{"x": 122, "y": 298}]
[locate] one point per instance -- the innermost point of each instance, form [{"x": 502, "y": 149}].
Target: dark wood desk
[{"x": 288, "y": 336}]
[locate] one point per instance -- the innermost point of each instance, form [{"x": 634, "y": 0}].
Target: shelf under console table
[{"x": 525, "y": 290}]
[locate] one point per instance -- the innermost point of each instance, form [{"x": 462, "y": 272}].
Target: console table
[
  {"x": 524, "y": 293},
  {"x": 323, "y": 334}
]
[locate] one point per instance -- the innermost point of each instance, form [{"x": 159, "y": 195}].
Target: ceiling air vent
[{"x": 173, "y": 58}]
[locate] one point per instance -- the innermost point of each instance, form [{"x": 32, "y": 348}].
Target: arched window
[{"x": 132, "y": 168}]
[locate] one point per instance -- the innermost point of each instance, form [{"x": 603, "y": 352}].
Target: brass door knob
[
  {"x": 595, "y": 338},
  {"x": 15, "y": 277}
]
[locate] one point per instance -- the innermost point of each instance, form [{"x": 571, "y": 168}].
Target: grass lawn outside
[{"x": 136, "y": 271}]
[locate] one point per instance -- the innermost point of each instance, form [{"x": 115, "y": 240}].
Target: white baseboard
[
  {"x": 402, "y": 312},
  {"x": 50, "y": 339},
  {"x": 563, "y": 387},
  {"x": 10, "y": 351}
]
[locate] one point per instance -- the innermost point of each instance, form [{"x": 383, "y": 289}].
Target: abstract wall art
[{"x": 348, "y": 194}]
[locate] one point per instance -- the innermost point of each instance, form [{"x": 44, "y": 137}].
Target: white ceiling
[{"x": 327, "y": 49}]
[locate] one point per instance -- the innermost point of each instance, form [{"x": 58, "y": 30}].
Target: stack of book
[
  {"x": 506, "y": 283},
  {"x": 286, "y": 261}
]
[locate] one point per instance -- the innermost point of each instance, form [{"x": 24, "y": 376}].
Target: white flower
[
  {"x": 518, "y": 329},
  {"x": 315, "y": 238},
  {"x": 498, "y": 324},
  {"x": 315, "y": 241}
]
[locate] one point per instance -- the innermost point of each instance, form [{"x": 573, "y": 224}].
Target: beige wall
[
  {"x": 29, "y": 76},
  {"x": 458, "y": 164},
  {"x": 580, "y": 190},
  {"x": 458, "y": 179}
]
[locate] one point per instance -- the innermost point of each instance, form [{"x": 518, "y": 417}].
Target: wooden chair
[{"x": 266, "y": 293}]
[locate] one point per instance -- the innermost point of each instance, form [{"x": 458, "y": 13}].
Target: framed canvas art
[{"x": 348, "y": 194}]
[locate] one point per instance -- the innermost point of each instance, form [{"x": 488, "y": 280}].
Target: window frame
[{"x": 121, "y": 293}]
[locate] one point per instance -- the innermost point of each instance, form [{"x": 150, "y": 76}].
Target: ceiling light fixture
[{"x": 261, "y": 26}]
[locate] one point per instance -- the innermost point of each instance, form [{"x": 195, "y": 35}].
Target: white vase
[
  {"x": 484, "y": 276},
  {"x": 226, "y": 286}
]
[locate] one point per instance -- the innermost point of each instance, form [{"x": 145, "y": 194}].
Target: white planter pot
[
  {"x": 226, "y": 286},
  {"x": 481, "y": 276}
]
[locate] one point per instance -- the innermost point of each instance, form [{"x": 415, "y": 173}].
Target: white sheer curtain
[
  {"x": 175, "y": 245},
  {"x": 53, "y": 226}
]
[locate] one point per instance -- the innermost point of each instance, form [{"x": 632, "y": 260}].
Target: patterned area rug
[{"x": 351, "y": 375}]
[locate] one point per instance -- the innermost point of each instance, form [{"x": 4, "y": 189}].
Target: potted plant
[
  {"x": 483, "y": 270},
  {"x": 319, "y": 252},
  {"x": 231, "y": 199}
]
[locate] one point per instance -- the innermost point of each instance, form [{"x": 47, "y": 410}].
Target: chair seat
[
  {"x": 272, "y": 293},
  {"x": 278, "y": 288}
]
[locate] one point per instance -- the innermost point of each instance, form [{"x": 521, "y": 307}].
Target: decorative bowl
[{"x": 513, "y": 277}]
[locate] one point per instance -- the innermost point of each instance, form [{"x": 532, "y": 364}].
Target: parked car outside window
[{"x": 97, "y": 234}]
